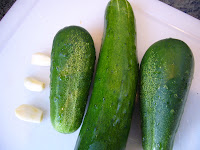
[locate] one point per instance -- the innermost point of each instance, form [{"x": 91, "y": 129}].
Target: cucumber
[
  {"x": 107, "y": 122},
  {"x": 166, "y": 74},
  {"x": 72, "y": 67}
]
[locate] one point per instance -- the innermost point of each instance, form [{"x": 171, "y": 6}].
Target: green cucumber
[
  {"x": 107, "y": 122},
  {"x": 72, "y": 67},
  {"x": 166, "y": 74}
]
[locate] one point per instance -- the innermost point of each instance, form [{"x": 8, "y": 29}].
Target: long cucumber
[{"x": 107, "y": 122}]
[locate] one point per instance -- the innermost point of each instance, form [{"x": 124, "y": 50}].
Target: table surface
[{"x": 191, "y": 7}]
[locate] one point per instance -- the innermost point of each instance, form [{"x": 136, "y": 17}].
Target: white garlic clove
[
  {"x": 29, "y": 113},
  {"x": 33, "y": 84},
  {"x": 40, "y": 59}
]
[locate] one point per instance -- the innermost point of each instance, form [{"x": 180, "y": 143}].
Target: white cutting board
[{"x": 30, "y": 26}]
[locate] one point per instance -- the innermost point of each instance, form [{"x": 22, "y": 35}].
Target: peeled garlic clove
[
  {"x": 29, "y": 113},
  {"x": 40, "y": 59},
  {"x": 33, "y": 84}
]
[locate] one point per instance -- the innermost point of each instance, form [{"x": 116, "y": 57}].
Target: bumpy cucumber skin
[
  {"x": 72, "y": 67},
  {"x": 166, "y": 74},
  {"x": 108, "y": 119}
]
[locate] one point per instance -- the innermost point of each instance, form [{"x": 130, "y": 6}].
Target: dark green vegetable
[
  {"x": 166, "y": 74},
  {"x": 72, "y": 66},
  {"x": 108, "y": 119}
]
